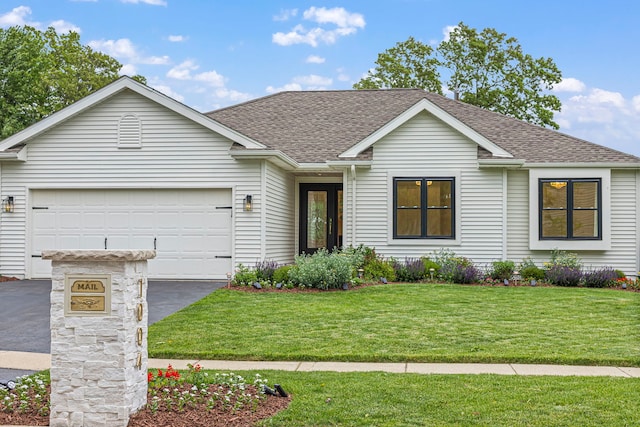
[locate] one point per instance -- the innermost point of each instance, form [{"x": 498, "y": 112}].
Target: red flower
[{"x": 149, "y": 377}]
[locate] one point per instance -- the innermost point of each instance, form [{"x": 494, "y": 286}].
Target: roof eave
[
  {"x": 426, "y": 105},
  {"x": 341, "y": 164},
  {"x": 274, "y": 156},
  {"x": 113, "y": 89},
  {"x": 501, "y": 163},
  {"x": 601, "y": 165}
]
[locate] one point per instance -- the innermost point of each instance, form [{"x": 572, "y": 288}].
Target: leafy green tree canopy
[
  {"x": 486, "y": 69},
  {"x": 42, "y": 72}
]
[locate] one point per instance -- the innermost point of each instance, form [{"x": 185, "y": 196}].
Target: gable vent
[{"x": 129, "y": 132}]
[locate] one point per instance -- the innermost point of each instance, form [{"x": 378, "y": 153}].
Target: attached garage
[{"x": 189, "y": 228}]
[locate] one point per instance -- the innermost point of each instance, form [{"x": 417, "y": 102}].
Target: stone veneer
[{"x": 94, "y": 377}]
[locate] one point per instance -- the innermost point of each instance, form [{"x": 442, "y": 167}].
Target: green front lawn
[
  {"x": 380, "y": 399},
  {"x": 409, "y": 322}
]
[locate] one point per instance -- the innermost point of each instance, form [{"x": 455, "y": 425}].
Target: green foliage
[
  {"x": 428, "y": 265},
  {"x": 265, "y": 269},
  {"x": 532, "y": 272},
  {"x": 501, "y": 270},
  {"x": 408, "y": 64},
  {"x": 30, "y": 396},
  {"x": 244, "y": 276},
  {"x": 451, "y": 265},
  {"x": 565, "y": 259},
  {"x": 409, "y": 270},
  {"x": 358, "y": 256},
  {"x": 490, "y": 70},
  {"x": 281, "y": 275},
  {"x": 562, "y": 275},
  {"x": 600, "y": 278},
  {"x": 322, "y": 270},
  {"x": 486, "y": 69},
  {"x": 42, "y": 72},
  {"x": 378, "y": 268},
  {"x": 620, "y": 274}
]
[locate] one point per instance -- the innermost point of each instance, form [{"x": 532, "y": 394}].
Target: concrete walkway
[{"x": 39, "y": 361}]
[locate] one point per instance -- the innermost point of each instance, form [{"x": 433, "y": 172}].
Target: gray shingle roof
[{"x": 317, "y": 126}]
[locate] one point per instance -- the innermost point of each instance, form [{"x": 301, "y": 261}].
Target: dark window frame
[
  {"x": 569, "y": 208},
  {"x": 424, "y": 208}
]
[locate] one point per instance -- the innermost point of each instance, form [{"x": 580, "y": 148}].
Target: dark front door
[{"x": 320, "y": 217}]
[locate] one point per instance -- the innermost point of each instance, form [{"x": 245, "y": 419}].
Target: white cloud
[
  {"x": 151, "y": 2},
  {"x": 313, "y": 82},
  {"x": 602, "y": 116},
  {"x": 210, "y": 77},
  {"x": 346, "y": 23},
  {"x": 446, "y": 32},
  {"x": 288, "y": 87},
  {"x": 183, "y": 70},
  {"x": 315, "y": 59},
  {"x": 121, "y": 48},
  {"x": 176, "y": 38},
  {"x": 125, "y": 49},
  {"x": 285, "y": 14},
  {"x": 169, "y": 92},
  {"x": 18, "y": 16},
  {"x": 63, "y": 27},
  {"x": 128, "y": 70},
  {"x": 635, "y": 102},
  {"x": 232, "y": 95},
  {"x": 338, "y": 16},
  {"x": 569, "y": 85},
  {"x": 310, "y": 82}
]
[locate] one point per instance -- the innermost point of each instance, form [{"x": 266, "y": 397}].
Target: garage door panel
[{"x": 188, "y": 230}]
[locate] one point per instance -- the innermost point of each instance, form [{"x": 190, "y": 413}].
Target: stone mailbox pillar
[{"x": 98, "y": 336}]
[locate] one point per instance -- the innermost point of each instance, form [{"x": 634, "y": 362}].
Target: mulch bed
[{"x": 199, "y": 416}]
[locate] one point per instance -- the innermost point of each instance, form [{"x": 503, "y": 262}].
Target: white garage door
[{"x": 189, "y": 228}]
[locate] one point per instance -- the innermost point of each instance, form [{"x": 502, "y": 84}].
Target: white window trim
[
  {"x": 424, "y": 173},
  {"x": 569, "y": 245}
]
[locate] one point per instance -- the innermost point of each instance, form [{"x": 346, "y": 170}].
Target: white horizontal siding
[
  {"x": 424, "y": 146},
  {"x": 624, "y": 242},
  {"x": 280, "y": 215},
  {"x": 83, "y": 153}
]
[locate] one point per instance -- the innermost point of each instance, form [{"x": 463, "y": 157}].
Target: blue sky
[{"x": 210, "y": 54}]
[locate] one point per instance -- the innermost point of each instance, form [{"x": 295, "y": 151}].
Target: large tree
[
  {"x": 486, "y": 68},
  {"x": 43, "y": 71}
]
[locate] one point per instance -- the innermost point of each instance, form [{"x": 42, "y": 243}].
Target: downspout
[
  {"x": 505, "y": 216},
  {"x": 637, "y": 272},
  {"x": 263, "y": 210},
  {"x": 353, "y": 205}
]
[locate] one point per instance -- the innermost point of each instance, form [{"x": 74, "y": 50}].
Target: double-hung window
[
  {"x": 423, "y": 208},
  {"x": 570, "y": 209}
]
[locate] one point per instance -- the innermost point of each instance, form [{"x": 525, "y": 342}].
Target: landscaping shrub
[
  {"x": 449, "y": 264},
  {"x": 265, "y": 269},
  {"x": 428, "y": 265},
  {"x": 565, "y": 259},
  {"x": 358, "y": 256},
  {"x": 560, "y": 275},
  {"x": 409, "y": 270},
  {"x": 620, "y": 274},
  {"x": 465, "y": 274},
  {"x": 245, "y": 276},
  {"x": 501, "y": 270},
  {"x": 322, "y": 270},
  {"x": 378, "y": 268},
  {"x": 281, "y": 274},
  {"x": 601, "y": 278},
  {"x": 532, "y": 272}
]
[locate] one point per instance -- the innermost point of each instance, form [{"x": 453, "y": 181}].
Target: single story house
[{"x": 402, "y": 170}]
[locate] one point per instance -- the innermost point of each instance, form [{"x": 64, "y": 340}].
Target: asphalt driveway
[{"x": 25, "y": 311}]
